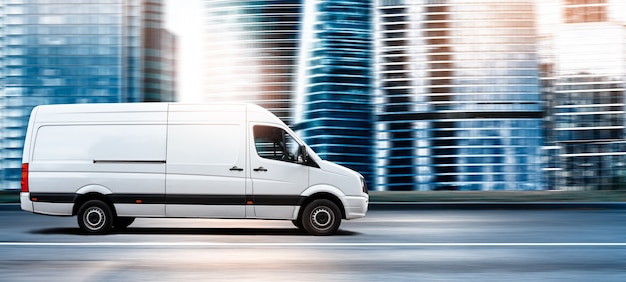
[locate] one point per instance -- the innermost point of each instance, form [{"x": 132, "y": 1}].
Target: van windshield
[{"x": 277, "y": 144}]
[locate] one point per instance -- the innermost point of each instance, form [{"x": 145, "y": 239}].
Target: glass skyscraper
[
  {"x": 73, "y": 51},
  {"x": 458, "y": 95},
  {"x": 586, "y": 109},
  {"x": 159, "y": 55},
  {"x": 251, "y": 49},
  {"x": 335, "y": 89}
]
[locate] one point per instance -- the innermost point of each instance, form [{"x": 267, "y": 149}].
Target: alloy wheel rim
[
  {"x": 94, "y": 218},
  {"x": 322, "y": 218}
]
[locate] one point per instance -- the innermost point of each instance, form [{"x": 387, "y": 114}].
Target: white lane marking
[{"x": 216, "y": 244}]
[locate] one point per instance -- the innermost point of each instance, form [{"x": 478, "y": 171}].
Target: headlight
[{"x": 364, "y": 185}]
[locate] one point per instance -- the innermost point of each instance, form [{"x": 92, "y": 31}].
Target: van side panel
[
  {"x": 101, "y": 142},
  {"x": 206, "y": 164},
  {"x": 126, "y": 159}
]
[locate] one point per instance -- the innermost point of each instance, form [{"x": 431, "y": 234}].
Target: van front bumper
[{"x": 356, "y": 206}]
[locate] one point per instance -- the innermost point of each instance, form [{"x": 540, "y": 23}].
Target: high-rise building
[
  {"x": 72, "y": 51},
  {"x": 458, "y": 94},
  {"x": 546, "y": 16},
  {"x": 586, "y": 109},
  {"x": 335, "y": 88},
  {"x": 251, "y": 50},
  {"x": 159, "y": 55}
]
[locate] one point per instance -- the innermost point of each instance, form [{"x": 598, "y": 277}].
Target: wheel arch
[
  {"x": 322, "y": 194},
  {"x": 92, "y": 192},
  {"x": 83, "y": 198}
]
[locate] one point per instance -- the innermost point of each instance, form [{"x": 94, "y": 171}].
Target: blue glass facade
[
  {"x": 64, "y": 51},
  {"x": 459, "y": 96},
  {"x": 333, "y": 107}
]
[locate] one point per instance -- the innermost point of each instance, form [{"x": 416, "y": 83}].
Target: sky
[{"x": 185, "y": 19}]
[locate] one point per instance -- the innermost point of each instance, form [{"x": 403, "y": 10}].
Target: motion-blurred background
[{"x": 414, "y": 94}]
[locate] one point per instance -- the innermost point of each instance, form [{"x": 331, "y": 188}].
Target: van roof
[
  {"x": 151, "y": 106},
  {"x": 54, "y": 112}
]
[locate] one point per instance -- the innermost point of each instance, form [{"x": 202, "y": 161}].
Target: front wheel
[
  {"x": 95, "y": 217},
  {"x": 297, "y": 223},
  {"x": 321, "y": 217}
]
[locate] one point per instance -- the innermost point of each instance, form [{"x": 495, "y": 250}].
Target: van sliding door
[{"x": 206, "y": 174}]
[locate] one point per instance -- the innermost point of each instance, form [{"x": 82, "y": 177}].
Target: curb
[
  {"x": 10, "y": 207},
  {"x": 495, "y": 205}
]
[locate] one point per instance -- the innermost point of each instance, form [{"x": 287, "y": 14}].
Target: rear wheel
[
  {"x": 122, "y": 223},
  {"x": 95, "y": 217},
  {"x": 321, "y": 217}
]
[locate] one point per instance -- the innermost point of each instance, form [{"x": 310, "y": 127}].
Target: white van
[{"x": 111, "y": 163}]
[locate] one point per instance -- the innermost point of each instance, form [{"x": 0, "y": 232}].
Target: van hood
[
  {"x": 350, "y": 182},
  {"x": 337, "y": 169}
]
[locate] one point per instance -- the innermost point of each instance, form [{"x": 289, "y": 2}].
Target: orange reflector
[
  {"x": 138, "y": 201},
  {"x": 33, "y": 199},
  {"x": 249, "y": 203}
]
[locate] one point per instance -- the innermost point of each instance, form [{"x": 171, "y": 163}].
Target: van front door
[{"x": 277, "y": 179}]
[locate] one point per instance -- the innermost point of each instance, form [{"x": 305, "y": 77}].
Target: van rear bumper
[
  {"x": 25, "y": 203},
  {"x": 49, "y": 208},
  {"x": 356, "y": 206}
]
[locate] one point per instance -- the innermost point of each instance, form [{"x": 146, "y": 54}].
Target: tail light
[{"x": 24, "y": 177}]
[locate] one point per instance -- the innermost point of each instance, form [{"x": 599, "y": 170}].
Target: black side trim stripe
[
  {"x": 278, "y": 200},
  {"x": 179, "y": 199},
  {"x": 63, "y": 198},
  {"x": 137, "y": 198},
  {"x": 205, "y": 199}
]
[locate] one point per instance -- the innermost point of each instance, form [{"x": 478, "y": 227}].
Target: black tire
[
  {"x": 122, "y": 223},
  {"x": 95, "y": 217},
  {"x": 321, "y": 218},
  {"x": 297, "y": 223}
]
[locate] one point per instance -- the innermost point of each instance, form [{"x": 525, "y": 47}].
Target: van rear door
[{"x": 206, "y": 161}]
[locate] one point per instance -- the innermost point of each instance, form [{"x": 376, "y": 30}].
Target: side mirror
[{"x": 303, "y": 157}]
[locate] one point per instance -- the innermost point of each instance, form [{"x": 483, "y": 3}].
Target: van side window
[{"x": 274, "y": 143}]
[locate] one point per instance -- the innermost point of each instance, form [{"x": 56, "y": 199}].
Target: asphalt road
[{"x": 392, "y": 243}]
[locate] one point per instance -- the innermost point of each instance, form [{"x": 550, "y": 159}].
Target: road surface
[{"x": 391, "y": 244}]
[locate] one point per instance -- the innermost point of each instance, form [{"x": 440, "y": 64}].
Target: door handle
[
  {"x": 260, "y": 169},
  {"x": 235, "y": 168}
]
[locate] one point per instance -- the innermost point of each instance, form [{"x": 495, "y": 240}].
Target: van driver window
[{"x": 275, "y": 144}]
